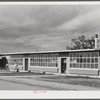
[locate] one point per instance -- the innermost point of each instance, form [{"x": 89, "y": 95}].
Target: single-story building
[
  {"x": 86, "y": 61},
  {"x": 83, "y": 61}
]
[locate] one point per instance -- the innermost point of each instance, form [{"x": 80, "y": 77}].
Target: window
[
  {"x": 18, "y": 60},
  {"x": 84, "y": 60},
  {"x": 44, "y": 60}
]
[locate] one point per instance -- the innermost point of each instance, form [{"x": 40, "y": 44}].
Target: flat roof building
[
  {"x": 86, "y": 61},
  {"x": 82, "y": 61}
]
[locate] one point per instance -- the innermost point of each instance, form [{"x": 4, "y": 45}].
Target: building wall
[
  {"x": 77, "y": 62},
  {"x": 36, "y": 62},
  {"x": 84, "y": 71},
  {"x": 81, "y": 62},
  {"x": 64, "y": 54},
  {"x": 84, "y": 63}
]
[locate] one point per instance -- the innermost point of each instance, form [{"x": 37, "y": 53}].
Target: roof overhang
[{"x": 57, "y": 51}]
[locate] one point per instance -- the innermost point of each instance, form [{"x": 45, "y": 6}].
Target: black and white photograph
[{"x": 47, "y": 47}]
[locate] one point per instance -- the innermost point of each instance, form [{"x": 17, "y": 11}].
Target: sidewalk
[{"x": 53, "y": 85}]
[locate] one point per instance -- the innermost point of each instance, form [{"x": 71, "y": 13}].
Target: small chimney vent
[{"x": 96, "y": 41}]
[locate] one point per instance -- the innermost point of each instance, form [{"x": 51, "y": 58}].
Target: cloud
[
  {"x": 50, "y": 27},
  {"x": 87, "y": 23}
]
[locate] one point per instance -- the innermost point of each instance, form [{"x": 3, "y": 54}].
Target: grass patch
[
  {"x": 20, "y": 74},
  {"x": 75, "y": 80}
]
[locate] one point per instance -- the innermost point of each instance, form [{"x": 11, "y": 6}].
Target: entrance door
[
  {"x": 26, "y": 64},
  {"x": 63, "y": 65}
]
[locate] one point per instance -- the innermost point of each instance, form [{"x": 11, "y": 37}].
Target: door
[
  {"x": 63, "y": 65},
  {"x": 26, "y": 64}
]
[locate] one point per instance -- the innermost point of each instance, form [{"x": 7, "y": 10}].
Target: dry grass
[
  {"x": 20, "y": 74},
  {"x": 75, "y": 80}
]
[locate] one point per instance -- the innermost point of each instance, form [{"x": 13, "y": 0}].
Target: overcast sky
[{"x": 45, "y": 27}]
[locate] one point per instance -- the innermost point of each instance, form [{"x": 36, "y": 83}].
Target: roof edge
[{"x": 50, "y": 51}]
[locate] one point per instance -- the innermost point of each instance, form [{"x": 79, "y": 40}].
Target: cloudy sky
[{"x": 45, "y": 27}]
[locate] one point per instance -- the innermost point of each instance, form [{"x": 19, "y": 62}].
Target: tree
[{"x": 82, "y": 43}]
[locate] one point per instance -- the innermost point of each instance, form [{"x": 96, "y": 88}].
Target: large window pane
[
  {"x": 92, "y": 65},
  {"x": 71, "y": 65},
  {"x": 84, "y": 60},
  {"x": 96, "y": 60},
  {"x": 78, "y": 60},
  {"x": 88, "y": 60},
  {"x": 96, "y": 54},
  {"x": 80, "y": 65},
  {"x": 92, "y": 54},
  {"x": 88, "y": 65},
  {"x": 84, "y": 65},
  {"x": 88, "y": 54},
  {"x": 96, "y": 66}
]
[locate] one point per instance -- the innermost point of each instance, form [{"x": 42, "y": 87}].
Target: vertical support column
[
  {"x": 99, "y": 65},
  {"x": 59, "y": 64},
  {"x": 68, "y": 64},
  {"x": 8, "y": 59},
  {"x": 9, "y": 62},
  {"x": 23, "y": 64},
  {"x": 28, "y": 64},
  {"x": 95, "y": 43}
]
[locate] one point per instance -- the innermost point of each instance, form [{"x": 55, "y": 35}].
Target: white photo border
[{"x": 6, "y": 94}]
